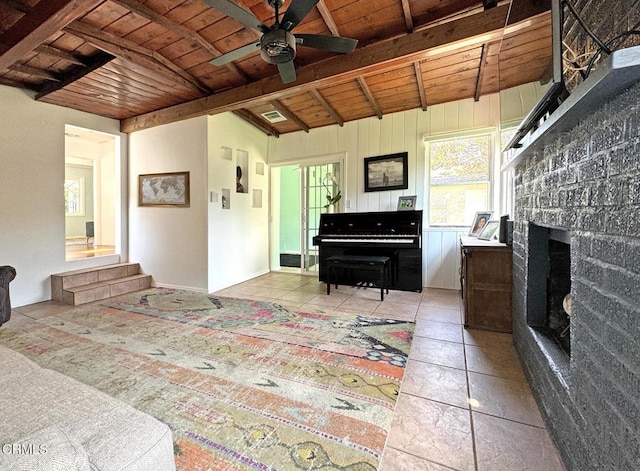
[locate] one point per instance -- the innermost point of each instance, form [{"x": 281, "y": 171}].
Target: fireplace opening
[
  {"x": 558, "y": 293},
  {"x": 549, "y": 285}
]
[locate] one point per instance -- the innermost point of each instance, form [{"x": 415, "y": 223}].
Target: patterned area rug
[{"x": 243, "y": 384}]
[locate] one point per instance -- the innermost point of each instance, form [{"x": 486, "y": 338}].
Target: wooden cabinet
[{"x": 486, "y": 280}]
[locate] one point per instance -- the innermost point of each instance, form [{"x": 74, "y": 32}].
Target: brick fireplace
[{"x": 585, "y": 183}]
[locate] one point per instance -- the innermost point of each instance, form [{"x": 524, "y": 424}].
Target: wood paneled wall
[{"x": 401, "y": 132}]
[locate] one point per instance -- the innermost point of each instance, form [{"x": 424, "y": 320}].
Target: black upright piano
[{"x": 395, "y": 234}]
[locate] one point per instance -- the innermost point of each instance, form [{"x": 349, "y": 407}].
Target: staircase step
[
  {"x": 71, "y": 279},
  {"x": 94, "y": 284}
]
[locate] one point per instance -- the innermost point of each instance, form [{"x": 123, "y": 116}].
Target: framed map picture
[{"x": 164, "y": 189}]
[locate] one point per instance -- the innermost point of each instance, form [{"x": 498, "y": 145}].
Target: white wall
[
  {"x": 239, "y": 236},
  {"x": 406, "y": 132},
  {"x": 203, "y": 247},
  {"x": 170, "y": 243},
  {"x": 32, "y": 218}
]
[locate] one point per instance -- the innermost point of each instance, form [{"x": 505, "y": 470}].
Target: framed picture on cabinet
[
  {"x": 490, "y": 231},
  {"x": 479, "y": 221}
]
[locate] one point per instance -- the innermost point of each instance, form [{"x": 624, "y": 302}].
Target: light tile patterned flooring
[{"x": 464, "y": 403}]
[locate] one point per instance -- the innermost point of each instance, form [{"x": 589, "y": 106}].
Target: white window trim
[
  {"x": 81, "y": 197},
  {"x": 507, "y": 196},
  {"x": 494, "y": 136}
]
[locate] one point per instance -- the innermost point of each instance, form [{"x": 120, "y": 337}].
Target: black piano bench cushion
[{"x": 376, "y": 263}]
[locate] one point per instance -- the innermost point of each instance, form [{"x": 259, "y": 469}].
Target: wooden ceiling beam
[
  {"x": 76, "y": 73},
  {"x": 34, "y": 72},
  {"x": 187, "y": 33},
  {"x": 286, "y": 112},
  {"x": 328, "y": 108},
  {"x": 59, "y": 54},
  {"x": 35, "y": 27},
  {"x": 370, "y": 98},
  {"x": 13, "y": 83},
  {"x": 136, "y": 54},
  {"x": 252, "y": 119},
  {"x": 422, "y": 91},
  {"x": 326, "y": 15},
  {"x": 382, "y": 56},
  {"x": 408, "y": 19}
]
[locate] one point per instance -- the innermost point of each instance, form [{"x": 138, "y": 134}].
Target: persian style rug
[{"x": 243, "y": 384}]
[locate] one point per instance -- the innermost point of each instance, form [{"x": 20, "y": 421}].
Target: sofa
[
  {"x": 51, "y": 422},
  {"x": 7, "y": 274}
]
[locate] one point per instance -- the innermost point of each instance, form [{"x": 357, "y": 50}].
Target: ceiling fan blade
[
  {"x": 287, "y": 72},
  {"x": 240, "y": 14},
  {"x": 296, "y": 13},
  {"x": 327, "y": 43},
  {"x": 235, "y": 54}
]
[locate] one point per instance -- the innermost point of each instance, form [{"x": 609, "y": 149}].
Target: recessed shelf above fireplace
[{"x": 618, "y": 72}]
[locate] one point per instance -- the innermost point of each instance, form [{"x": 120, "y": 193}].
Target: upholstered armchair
[{"x": 7, "y": 274}]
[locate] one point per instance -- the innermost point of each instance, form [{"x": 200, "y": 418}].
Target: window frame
[
  {"x": 493, "y": 134},
  {"x": 81, "y": 196},
  {"x": 507, "y": 192}
]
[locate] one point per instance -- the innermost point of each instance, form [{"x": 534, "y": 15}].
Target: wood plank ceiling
[{"x": 147, "y": 62}]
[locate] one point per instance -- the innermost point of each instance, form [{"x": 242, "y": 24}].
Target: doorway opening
[
  {"x": 303, "y": 197},
  {"x": 90, "y": 193}
]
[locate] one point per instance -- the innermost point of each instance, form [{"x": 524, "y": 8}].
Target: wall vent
[{"x": 274, "y": 116}]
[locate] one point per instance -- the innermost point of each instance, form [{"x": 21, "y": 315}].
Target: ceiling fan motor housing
[{"x": 278, "y": 46}]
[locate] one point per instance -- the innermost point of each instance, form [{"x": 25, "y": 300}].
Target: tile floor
[{"x": 464, "y": 403}]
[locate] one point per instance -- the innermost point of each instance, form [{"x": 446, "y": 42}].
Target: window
[
  {"x": 459, "y": 177},
  {"x": 507, "y": 191},
  {"x": 74, "y": 196},
  {"x": 505, "y": 137}
]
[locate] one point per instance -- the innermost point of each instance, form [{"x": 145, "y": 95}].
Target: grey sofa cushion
[
  {"x": 14, "y": 364},
  {"x": 48, "y": 449},
  {"x": 115, "y": 436}
]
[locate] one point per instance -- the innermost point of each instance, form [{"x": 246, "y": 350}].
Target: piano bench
[{"x": 360, "y": 262}]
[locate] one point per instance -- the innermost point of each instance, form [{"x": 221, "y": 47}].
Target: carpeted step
[{"x": 93, "y": 284}]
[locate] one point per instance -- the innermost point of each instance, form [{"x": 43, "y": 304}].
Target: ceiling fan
[{"x": 278, "y": 44}]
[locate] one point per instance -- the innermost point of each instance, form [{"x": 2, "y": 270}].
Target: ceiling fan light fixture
[{"x": 278, "y": 46}]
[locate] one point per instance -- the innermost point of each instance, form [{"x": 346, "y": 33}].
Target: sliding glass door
[
  {"x": 318, "y": 182},
  {"x": 303, "y": 197}
]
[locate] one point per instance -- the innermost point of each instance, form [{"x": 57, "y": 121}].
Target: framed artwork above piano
[
  {"x": 395, "y": 234},
  {"x": 386, "y": 172}
]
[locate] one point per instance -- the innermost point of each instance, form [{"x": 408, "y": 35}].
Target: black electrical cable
[
  {"x": 602, "y": 46},
  {"x": 596, "y": 54},
  {"x": 598, "y": 41}
]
